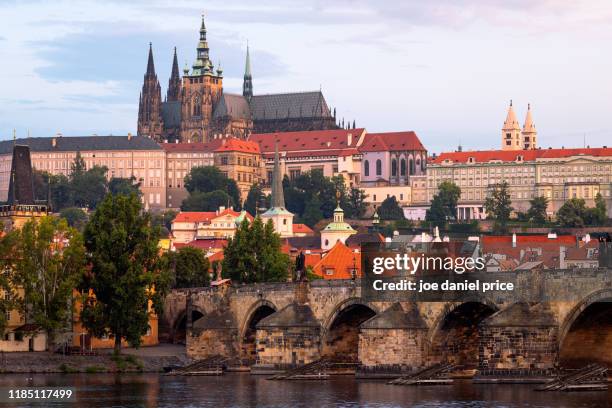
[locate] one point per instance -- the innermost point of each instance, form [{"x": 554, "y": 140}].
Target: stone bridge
[{"x": 279, "y": 325}]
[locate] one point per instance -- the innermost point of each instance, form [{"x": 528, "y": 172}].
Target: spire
[
  {"x": 174, "y": 83},
  {"x": 247, "y": 84},
  {"x": 150, "y": 64},
  {"x": 202, "y": 65},
  {"x": 511, "y": 123},
  {"x": 278, "y": 196},
  {"x": 528, "y": 127}
]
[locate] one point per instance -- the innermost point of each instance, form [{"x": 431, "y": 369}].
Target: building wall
[
  {"x": 377, "y": 194},
  {"x": 244, "y": 168},
  {"x": 178, "y": 166}
]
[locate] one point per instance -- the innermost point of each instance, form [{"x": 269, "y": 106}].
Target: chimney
[
  {"x": 176, "y": 141},
  {"x": 349, "y": 139},
  {"x": 54, "y": 142},
  {"x": 129, "y": 135},
  {"x": 513, "y": 240}
]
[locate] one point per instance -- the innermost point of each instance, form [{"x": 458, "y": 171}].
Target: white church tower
[{"x": 281, "y": 218}]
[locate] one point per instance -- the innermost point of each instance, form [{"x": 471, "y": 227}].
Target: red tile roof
[
  {"x": 302, "y": 229},
  {"x": 341, "y": 259},
  {"x": 194, "y": 216},
  {"x": 238, "y": 145},
  {"x": 217, "y": 256},
  {"x": 379, "y": 142},
  {"x": 528, "y": 239},
  {"x": 310, "y": 141},
  {"x": 483, "y": 156}
]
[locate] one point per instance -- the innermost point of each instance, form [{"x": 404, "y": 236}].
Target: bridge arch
[
  {"x": 179, "y": 325},
  {"x": 454, "y": 336},
  {"x": 260, "y": 309},
  {"x": 585, "y": 334},
  {"x": 340, "y": 331}
]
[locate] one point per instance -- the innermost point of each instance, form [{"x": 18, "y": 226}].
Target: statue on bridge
[{"x": 300, "y": 268}]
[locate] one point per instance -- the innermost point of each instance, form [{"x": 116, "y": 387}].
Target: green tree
[
  {"x": 498, "y": 207},
  {"x": 78, "y": 166},
  {"x": 207, "y": 179},
  {"x": 88, "y": 187},
  {"x": 255, "y": 199},
  {"x": 125, "y": 186},
  {"x": 537, "y": 209},
  {"x": 126, "y": 271},
  {"x": 188, "y": 267},
  {"x": 164, "y": 221},
  {"x": 572, "y": 213},
  {"x": 199, "y": 201},
  {"x": 61, "y": 192},
  {"x": 312, "y": 212},
  {"x": 49, "y": 262},
  {"x": 40, "y": 182},
  {"x": 8, "y": 247},
  {"x": 254, "y": 254},
  {"x": 390, "y": 209},
  {"x": 597, "y": 215},
  {"x": 356, "y": 204},
  {"x": 75, "y": 217},
  {"x": 444, "y": 204}
]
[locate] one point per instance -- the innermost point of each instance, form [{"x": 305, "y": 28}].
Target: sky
[{"x": 446, "y": 69}]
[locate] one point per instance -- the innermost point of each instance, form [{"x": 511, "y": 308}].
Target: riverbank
[{"x": 147, "y": 359}]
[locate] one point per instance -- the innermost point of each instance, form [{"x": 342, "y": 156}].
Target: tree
[
  {"x": 75, "y": 217},
  {"x": 78, "y": 166},
  {"x": 127, "y": 274},
  {"x": 125, "y": 186},
  {"x": 537, "y": 209},
  {"x": 572, "y": 213},
  {"x": 255, "y": 199},
  {"x": 498, "y": 207},
  {"x": 444, "y": 204},
  {"x": 164, "y": 222},
  {"x": 88, "y": 187},
  {"x": 356, "y": 204},
  {"x": 199, "y": 201},
  {"x": 189, "y": 268},
  {"x": 254, "y": 254},
  {"x": 61, "y": 192},
  {"x": 597, "y": 215},
  {"x": 8, "y": 244},
  {"x": 40, "y": 182},
  {"x": 49, "y": 262},
  {"x": 390, "y": 209},
  {"x": 312, "y": 212},
  {"x": 207, "y": 179}
]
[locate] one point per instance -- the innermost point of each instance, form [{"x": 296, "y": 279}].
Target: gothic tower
[
  {"x": 281, "y": 218},
  {"x": 174, "y": 83},
  {"x": 529, "y": 131},
  {"x": 201, "y": 90},
  {"x": 511, "y": 132},
  {"x": 247, "y": 84},
  {"x": 150, "y": 122}
]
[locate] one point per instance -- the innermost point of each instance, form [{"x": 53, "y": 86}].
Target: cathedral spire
[
  {"x": 278, "y": 196},
  {"x": 247, "y": 84},
  {"x": 150, "y": 63},
  {"x": 174, "y": 83},
  {"x": 202, "y": 64}
]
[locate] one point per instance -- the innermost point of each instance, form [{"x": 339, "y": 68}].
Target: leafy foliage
[
  {"x": 537, "y": 210},
  {"x": 125, "y": 186},
  {"x": 498, "y": 207},
  {"x": 255, "y": 200},
  {"x": 188, "y": 268},
  {"x": 208, "y": 179},
  {"x": 75, "y": 217},
  {"x": 444, "y": 204},
  {"x": 254, "y": 254},
  {"x": 199, "y": 201},
  {"x": 390, "y": 209},
  {"x": 127, "y": 273}
]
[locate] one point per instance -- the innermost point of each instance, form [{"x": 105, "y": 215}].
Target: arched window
[
  {"x": 378, "y": 167},
  {"x": 394, "y": 167},
  {"x": 411, "y": 165},
  {"x": 197, "y": 107},
  {"x": 366, "y": 168},
  {"x": 418, "y": 164},
  {"x": 403, "y": 167}
]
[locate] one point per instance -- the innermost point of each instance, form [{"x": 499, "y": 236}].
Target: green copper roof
[
  {"x": 339, "y": 226},
  {"x": 276, "y": 211}
]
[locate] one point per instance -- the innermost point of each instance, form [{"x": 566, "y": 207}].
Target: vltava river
[{"x": 244, "y": 390}]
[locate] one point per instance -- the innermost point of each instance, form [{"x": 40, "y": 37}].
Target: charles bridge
[{"x": 275, "y": 326}]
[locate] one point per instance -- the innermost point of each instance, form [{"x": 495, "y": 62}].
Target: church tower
[
  {"x": 529, "y": 131},
  {"x": 247, "y": 84},
  {"x": 281, "y": 218},
  {"x": 150, "y": 123},
  {"x": 174, "y": 83},
  {"x": 201, "y": 90},
  {"x": 511, "y": 132}
]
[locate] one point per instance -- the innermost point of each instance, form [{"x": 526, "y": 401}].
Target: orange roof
[
  {"x": 378, "y": 142},
  {"x": 340, "y": 260},
  {"x": 302, "y": 229},
  {"x": 217, "y": 256},
  {"x": 194, "y": 216},
  {"x": 315, "y": 142},
  {"x": 528, "y": 239},
  {"x": 238, "y": 145},
  {"x": 483, "y": 156}
]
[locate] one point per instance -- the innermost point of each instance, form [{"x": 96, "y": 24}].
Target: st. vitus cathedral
[{"x": 197, "y": 109}]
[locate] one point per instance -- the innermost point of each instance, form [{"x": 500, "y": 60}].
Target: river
[{"x": 244, "y": 390}]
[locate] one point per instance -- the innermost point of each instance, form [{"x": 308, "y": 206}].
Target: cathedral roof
[
  {"x": 232, "y": 105},
  {"x": 378, "y": 142},
  {"x": 315, "y": 142},
  {"x": 290, "y": 105},
  {"x": 529, "y": 126},
  {"x": 511, "y": 123},
  {"x": 171, "y": 114},
  {"x": 80, "y": 143}
]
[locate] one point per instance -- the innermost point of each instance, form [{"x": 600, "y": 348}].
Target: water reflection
[{"x": 243, "y": 390}]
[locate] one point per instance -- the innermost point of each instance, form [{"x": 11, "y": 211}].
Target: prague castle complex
[{"x": 196, "y": 108}]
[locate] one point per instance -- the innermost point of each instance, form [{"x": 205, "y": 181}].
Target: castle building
[
  {"x": 197, "y": 109},
  {"x": 513, "y": 138}
]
